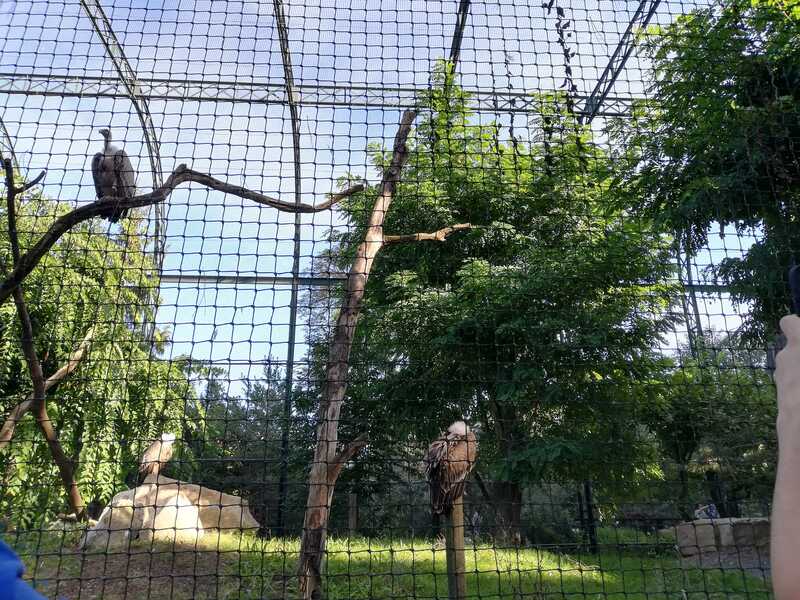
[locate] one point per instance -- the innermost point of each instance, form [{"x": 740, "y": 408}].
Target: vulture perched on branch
[
  {"x": 447, "y": 465},
  {"x": 156, "y": 456},
  {"x": 113, "y": 175}
]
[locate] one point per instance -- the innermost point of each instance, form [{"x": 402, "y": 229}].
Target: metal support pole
[
  {"x": 600, "y": 93},
  {"x": 283, "y": 36},
  {"x": 458, "y": 34},
  {"x": 222, "y": 91}
]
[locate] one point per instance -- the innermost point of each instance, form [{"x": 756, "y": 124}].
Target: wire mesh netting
[{"x": 506, "y": 277}]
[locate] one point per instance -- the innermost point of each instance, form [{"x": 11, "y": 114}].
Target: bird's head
[
  {"x": 168, "y": 438},
  {"x": 106, "y": 133},
  {"x": 458, "y": 428}
]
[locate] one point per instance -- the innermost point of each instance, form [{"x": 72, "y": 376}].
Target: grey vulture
[
  {"x": 448, "y": 463},
  {"x": 113, "y": 175},
  {"x": 156, "y": 456}
]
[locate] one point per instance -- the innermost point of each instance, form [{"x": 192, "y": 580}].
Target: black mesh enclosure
[{"x": 403, "y": 299}]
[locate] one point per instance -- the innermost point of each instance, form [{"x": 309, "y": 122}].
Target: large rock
[
  {"x": 707, "y": 535},
  {"x": 167, "y": 510},
  {"x": 751, "y": 532},
  {"x": 695, "y": 536}
]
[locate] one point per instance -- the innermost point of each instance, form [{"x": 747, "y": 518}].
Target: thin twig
[
  {"x": 439, "y": 235},
  {"x": 32, "y": 183},
  {"x": 181, "y": 175}
]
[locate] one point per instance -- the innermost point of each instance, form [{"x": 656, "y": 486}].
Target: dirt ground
[{"x": 144, "y": 574}]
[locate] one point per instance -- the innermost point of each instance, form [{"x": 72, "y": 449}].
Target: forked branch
[
  {"x": 344, "y": 455},
  {"x": 19, "y": 411}
]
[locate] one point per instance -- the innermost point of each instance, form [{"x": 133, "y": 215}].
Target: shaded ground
[
  {"x": 161, "y": 573},
  {"x": 752, "y": 561},
  {"x": 246, "y": 567}
]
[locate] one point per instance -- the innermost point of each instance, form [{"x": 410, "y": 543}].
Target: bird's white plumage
[
  {"x": 157, "y": 455},
  {"x": 459, "y": 428}
]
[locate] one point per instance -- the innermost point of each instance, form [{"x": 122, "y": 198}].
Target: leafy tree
[
  {"x": 239, "y": 448},
  {"x": 717, "y": 142},
  {"x": 122, "y": 395},
  {"x": 537, "y": 324},
  {"x": 714, "y": 411}
]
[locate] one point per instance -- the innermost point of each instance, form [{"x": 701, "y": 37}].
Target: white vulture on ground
[
  {"x": 156, "y": 456},
  {"x": 448, "y": 463},
  {"x": 113, "y": 175}
]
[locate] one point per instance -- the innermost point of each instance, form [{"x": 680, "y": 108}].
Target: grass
[
  {"x": 233, "y": 566},
  {"x": 634, "y": 539}
]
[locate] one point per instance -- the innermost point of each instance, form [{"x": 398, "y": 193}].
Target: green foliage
[
  {"x": 122, "y": 395},
  {"x": 537, "y": 324},
  {"x": 713, "y": 411},
  {"x": 239, "y": 449},
  {"x": 716, "y": 142}
]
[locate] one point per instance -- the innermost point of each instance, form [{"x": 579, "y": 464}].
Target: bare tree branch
[
  {"x": 99, "y": 208},
  {"x": 31, "y": 184},
  {"x": 335, "y": 468},
  {"x": 14, "y": 417},
  {"x": 38, "y": 405},
  {"x": 19, "y": 411},
  {"x": 439, "y": 235},
  {"x": 322, "y": 479},
  {"x": 344, "y": 455}
]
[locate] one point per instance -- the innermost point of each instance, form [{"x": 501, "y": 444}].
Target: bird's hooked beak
[{"x": 106, "y": 133}]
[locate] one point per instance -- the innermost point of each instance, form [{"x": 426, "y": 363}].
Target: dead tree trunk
[
  {"x": 328, "y": 461},
  {"x": 323, "y": 472},
  {"x": 37, "y": 405}
]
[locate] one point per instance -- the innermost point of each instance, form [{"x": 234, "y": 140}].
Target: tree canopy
[
  {"x": 538, "y": 324},
  {"x": 716, "y": 143}
]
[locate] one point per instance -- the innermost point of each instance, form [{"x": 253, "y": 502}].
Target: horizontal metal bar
[
  {"x": 188, "y": 90},
  {"x": 333, "y": 279},
  {"x": 706, "y": 288},
  {"x": 258, "y": 280}
]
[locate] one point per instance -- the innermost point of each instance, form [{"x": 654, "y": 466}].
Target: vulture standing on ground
[
  {"x": 448, "y": 463},
  {"x": 156, "y": 456},
  {"x": 113, "y": 175}
]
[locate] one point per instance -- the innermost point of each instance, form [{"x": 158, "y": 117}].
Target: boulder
[
  {"x": 695, "y": 537},
  {"x": 751, "y": 532},
  {"x": 707, "y": 535},
  {"x": 167, "y": 510},
  {"x": 725, "y": 537}
]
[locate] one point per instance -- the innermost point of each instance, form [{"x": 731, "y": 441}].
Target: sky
[{"x": 507, "y": 46}]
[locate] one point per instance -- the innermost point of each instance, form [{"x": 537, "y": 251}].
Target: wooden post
[
  {"x": 352, "y": 513},
  {"x": 454, "y": 539},
  {"x": 590, "y": 517},
  {"x": 582, "y": 520}
]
